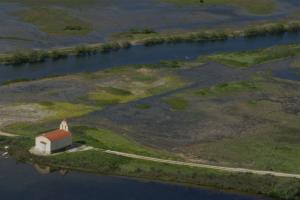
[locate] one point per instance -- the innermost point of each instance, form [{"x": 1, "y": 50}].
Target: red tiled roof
[{"x": 57, "y": 135}]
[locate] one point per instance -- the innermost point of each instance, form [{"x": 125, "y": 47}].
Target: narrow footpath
[
  {"x": 7, "y": 134},
  {"x": 229, "y": 169}
]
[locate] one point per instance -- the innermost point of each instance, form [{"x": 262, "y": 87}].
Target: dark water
[
  {"x": 289, "y": 74},
  {"x": 140, "y": 55},
  {"x": 21, "y": 181}
]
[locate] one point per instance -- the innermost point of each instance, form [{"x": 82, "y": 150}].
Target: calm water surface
[
  {"x": 22, "y": 181},
  {"x": 140, "y": 55}
]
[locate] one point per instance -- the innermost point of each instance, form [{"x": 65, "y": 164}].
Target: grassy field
[
  {"x": 255, "y": 7},
  {"x": 134, "y": 84},
  {"x": 62, "y": 110},
  {"x": 55, "y": 21},
  {"x": 250, "y": 58},
  {"x": 258, "y": 120}
]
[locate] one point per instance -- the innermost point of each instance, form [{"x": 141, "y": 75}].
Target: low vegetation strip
[
  {"x": 228, "y": 169},
  {"x": 250, "y": 58}
]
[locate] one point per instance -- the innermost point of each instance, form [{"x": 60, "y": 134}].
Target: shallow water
[
  {"x": 140, "y": 55},
  {"x": 22, "y": 181},
  {"x": 288, "y": 74}
]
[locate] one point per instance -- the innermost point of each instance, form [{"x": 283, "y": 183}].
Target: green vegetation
[
  {"x": 227, "y": 88},
  {"x": 177, "y": 103},
  {"x": 258, "y": 120},
  {"x": 130, "y": 84},
  {"x": 250, "y": 58},
  {"x": 31, "y": 57},
  {"x": 255, "y": 7},
  {"x": 28, "y": 130},
  {"x": 143, "y": 106},
  {"x": 108, "y": 140},
  {"x": 117, "y": 91},
  {"x": 21, "y": 57},
  {"x": 271, "y": 29},
  {"x": 269, "y": 151},
  {"x": 192, "y": 37},
  {"x": 55, "y": 21},
  {"x": 62, "y": 110}
]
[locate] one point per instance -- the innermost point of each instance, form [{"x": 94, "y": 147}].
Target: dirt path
[
  {"x": 7, "y": 134},
  {"x": 229, "y": 169}
]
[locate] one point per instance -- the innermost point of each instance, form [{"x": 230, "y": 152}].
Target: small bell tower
[{"x": 64, "y": 126}]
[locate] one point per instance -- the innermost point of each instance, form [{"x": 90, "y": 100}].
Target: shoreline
[
  {"x": 145, "y": 179},
  {"x": 248, "y": 184},
  {"x": 126, "y": 40}
]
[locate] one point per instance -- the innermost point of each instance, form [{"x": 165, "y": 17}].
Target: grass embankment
[
  {"x": 250, "y": 58},
  {"x": 38, "y": 56},
  {"x": 154, "y": 38},
  {"x": 255, "y": 7},
  {"x": 148, "y": 37},
  {"x": 99, "y": 162},
  {"x": 55, "y": 21}
]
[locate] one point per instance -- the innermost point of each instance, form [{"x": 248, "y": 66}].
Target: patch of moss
[{"x": 177, "y": 103}]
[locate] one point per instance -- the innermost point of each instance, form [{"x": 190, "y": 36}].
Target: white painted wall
[
  {"x": 64, "y": 125},
  {"x": 51, "y": 146},
  {"x": 39, "y": 144}
]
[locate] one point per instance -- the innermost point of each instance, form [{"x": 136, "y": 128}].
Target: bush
[
  {"x": 56, "y": 55},
  {"x": 84, "y": 50},
  {"x": 105, "y": 48}
]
